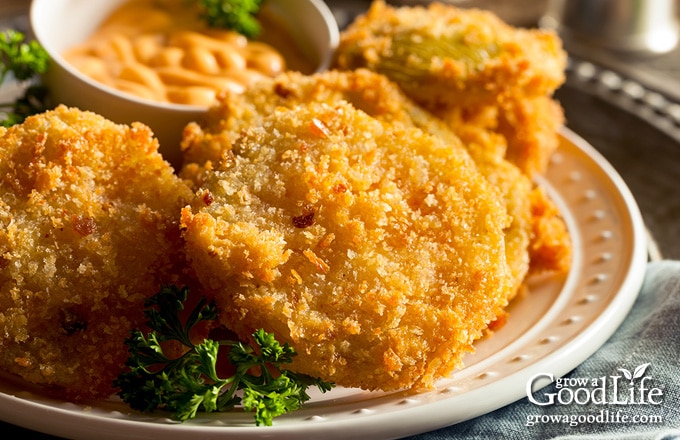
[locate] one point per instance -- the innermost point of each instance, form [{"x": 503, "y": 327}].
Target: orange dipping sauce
[{"x": 163, "y": 51}]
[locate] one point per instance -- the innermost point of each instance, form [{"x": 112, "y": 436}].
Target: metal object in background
[{"x": 634, "y": 27}]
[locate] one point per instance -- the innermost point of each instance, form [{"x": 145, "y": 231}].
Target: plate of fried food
[{"x": 416, "y": 223}]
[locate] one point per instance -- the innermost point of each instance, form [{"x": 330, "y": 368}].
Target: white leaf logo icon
[
  {"x": 640, "y": 371},
  {"x": 626, "y": 374},
  {"x": 636, "y": 374}
]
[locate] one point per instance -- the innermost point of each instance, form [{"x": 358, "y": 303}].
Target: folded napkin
[{"x": 641, "y": 359}]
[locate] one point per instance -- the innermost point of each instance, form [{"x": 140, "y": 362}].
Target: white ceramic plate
[{"x": 551, "y": 330}]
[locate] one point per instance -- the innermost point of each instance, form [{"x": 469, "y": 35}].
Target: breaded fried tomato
[
  {"x": 443, "y": 55},
  {"x": 89, "y": 216},
  {"x": 468, "y": 67},
  {"x": 204, "y": 144},
  {"x": 376, "y": 250}
]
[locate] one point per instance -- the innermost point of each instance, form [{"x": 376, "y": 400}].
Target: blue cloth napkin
[{"x": 646, "y": 346}]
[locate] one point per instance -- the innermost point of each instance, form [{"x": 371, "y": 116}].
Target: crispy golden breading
[
  {"x": 89, "y": 215},
  {"x": 375, "y": 249},
  {"x": 467, "y": 67},
  {"x": 382, "y": 99},
  {"x": 516, "y": 189},
  {"x": 538, "y": 240},
  {"x": 373, "y": 93},
  {"x": 550, "y": 248},
  {"x": 446, "y": 56},
  {"x": 492, "y": 85},
  {"x": 530, "y": 128}
]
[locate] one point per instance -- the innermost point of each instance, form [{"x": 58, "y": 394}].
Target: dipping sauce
[{"x": 163, "y": 51}]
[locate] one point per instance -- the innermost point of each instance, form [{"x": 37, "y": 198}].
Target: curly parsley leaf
[
  {"x": 191, "y": 383},
  {"x": 26, "y": 61},
  {"x": 238, "y": 15}
]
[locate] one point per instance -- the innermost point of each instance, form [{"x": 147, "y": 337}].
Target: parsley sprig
[
  {"x": 26, "y": 61},
  {"x": 238, "y": 15},
  {"x": 190, "y": 383}
]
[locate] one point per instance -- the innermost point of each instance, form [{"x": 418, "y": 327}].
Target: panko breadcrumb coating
[
  {"x": 549, "y": 249},
  {"x": 529, "y": 127},
  {"x": 445, "y": 55},
  {"x": 538, "y": 240},
  {"x": 375, "y": 249},
  {"x": 469, "y": 63},
  {"x": 382, "y": 99},
  {"x": 89, "y": 216}
]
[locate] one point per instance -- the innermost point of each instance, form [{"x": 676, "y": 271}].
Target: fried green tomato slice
[
  {"x": 380, "y": 98},
  {"x": 467, "y": 66},
  {"x": 89, "y": 214},
  {"x": 374, "y": 249},
  {"x": 443, "y": 56}
]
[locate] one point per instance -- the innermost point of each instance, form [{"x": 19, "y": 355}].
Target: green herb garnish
[
  {"x": 238, "y": 15},
  {"x": 190, "y": 383},
  {"x": 26, "y": 61}
]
